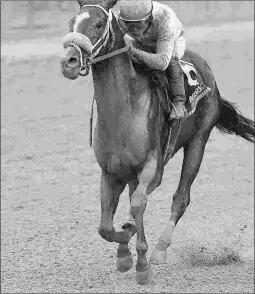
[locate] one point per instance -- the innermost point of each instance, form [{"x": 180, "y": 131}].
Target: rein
[{"x": 109, "y": 55}]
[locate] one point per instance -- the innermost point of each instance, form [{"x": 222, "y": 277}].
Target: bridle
[{"x": 79, "y": 42}]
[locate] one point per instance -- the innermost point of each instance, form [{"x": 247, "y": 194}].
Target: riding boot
[{"x": 176, "y": 78}]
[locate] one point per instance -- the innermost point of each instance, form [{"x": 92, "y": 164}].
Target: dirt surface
[{"x": 50, "y": 183}]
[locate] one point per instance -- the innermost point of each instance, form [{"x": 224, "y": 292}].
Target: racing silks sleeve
[{"x": 167, "y": 34}]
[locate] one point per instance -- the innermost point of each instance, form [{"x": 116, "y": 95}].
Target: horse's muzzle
[{"x": 70, "y": 63}]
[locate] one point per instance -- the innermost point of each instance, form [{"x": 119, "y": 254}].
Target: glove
[{"x": 129, "y": 43}]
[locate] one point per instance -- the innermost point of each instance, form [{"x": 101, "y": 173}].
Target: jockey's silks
[{"x": 163, "y": 36}]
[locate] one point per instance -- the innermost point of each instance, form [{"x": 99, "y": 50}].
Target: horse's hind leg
[
  {"x": 193, "y": 155},
  {"x": 124, "y": 260}
]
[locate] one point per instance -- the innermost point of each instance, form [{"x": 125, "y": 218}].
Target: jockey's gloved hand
[{"x": 129, "y": 43}]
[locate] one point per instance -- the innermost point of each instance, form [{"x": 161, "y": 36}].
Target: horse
[{"x": 131, "y": 130}]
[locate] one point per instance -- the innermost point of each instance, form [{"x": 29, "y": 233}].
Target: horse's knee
[
  {"x": 138, "y": 203},
  {"x": 106, "y": 233}
]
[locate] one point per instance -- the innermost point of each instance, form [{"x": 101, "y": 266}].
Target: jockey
[{"x": 156, "y": 40}]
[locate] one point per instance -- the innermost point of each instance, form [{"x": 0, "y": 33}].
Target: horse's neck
[{"x": 115, "y": 84}]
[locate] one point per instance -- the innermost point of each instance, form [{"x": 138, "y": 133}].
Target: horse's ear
[
  {"x": 81, "y": 2},
  {"x": 111, "y": 3}
]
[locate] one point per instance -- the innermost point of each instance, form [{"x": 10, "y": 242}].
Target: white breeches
[{"x": 179, "y": 47}]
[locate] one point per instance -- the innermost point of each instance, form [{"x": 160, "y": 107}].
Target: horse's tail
[{"x": 231, "y": 121}]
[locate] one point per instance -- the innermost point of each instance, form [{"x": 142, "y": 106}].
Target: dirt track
[{"x": 50, "y": 184}]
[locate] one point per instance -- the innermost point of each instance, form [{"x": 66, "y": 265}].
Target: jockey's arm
[
  {"x": 164, "y": 49},
  {"x": 159, "y": 60}
]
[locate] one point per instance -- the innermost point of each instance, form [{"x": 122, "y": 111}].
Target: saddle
[{"x": 195, "y": 90}]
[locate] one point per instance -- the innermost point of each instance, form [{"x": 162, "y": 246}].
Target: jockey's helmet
[{"x": 135, "y": 10}]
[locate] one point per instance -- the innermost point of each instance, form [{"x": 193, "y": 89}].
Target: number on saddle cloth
[
  {"x": 195, "y": 89},
  {"x": 190, "y": 72}
]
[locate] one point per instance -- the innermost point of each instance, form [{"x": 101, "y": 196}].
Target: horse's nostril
[{"x": 73, "y": 61}]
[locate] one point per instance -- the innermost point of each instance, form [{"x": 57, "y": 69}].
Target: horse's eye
[{"x": 99, "y": 25}]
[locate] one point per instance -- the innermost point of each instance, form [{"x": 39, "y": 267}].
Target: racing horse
[{"x": 131, "y": 131}]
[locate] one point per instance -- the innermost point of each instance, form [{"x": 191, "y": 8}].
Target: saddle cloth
[{"x": 195, "y": 90}]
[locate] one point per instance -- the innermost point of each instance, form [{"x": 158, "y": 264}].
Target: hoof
[
  {"x": 143, "y": 278},
  {"x": 158, "y": 257},
  {"x": 124, "y": 264}
]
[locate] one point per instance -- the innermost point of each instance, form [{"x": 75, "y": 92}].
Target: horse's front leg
[
  {"x": 148, "y": 181},
  {"x": 110, "y": 190},
  {"x": 124, "y": 260}
]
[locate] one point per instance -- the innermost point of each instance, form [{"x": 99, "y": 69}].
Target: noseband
[{"x": 79, "y": 41}]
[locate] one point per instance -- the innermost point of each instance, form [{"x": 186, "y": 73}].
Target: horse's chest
[
  {"x": 123, "y": 151},
  {"x": 121, "y": 160},
  {"x": 116, "y": 164},
  {"x": 122, "y": 164}
]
